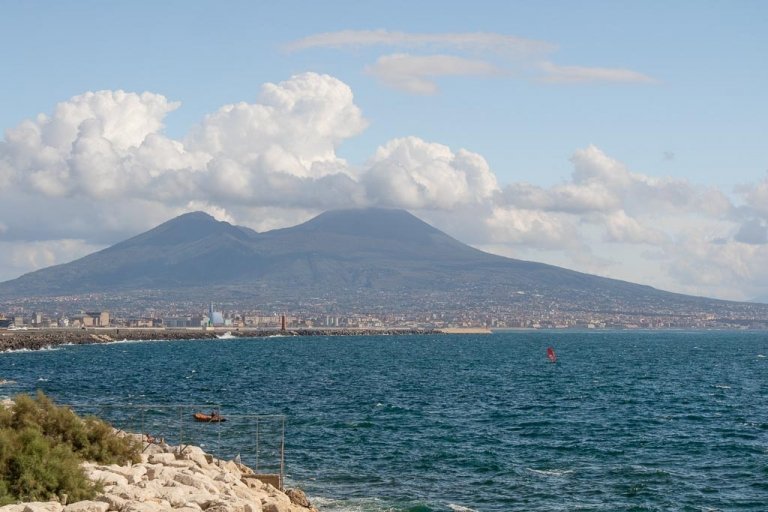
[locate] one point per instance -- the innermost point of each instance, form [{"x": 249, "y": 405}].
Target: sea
[{"x": 622, "y": 421}]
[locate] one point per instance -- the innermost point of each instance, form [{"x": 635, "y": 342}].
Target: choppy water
[{"x": 623, "y": 421}]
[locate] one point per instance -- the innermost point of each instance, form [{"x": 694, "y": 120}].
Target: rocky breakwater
[
  {"x": 36, "y": 339},
  {"x": 170, "y": 479}
]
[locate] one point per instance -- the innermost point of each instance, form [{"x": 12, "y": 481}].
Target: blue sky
[{"x": 669, "y": 95}]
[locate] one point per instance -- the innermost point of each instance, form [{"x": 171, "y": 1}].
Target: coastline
[
  {"x": 38, "y": 339},
  {"x": 175, "y": 478}
]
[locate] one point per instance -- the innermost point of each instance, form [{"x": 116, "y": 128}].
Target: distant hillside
[{"x": 343, "y": 255}]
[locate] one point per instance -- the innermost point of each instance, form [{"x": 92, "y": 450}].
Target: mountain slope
[{"x": 336, "y": 254}]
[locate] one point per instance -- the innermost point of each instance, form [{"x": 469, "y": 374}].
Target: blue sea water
[{"x": 623, "y": 421}]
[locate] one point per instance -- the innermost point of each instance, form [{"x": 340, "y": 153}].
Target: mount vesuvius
[{"x": 374, "y": 258}]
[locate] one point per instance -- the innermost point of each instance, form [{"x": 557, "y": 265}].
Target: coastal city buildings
[{"x": 438, "y": 314}]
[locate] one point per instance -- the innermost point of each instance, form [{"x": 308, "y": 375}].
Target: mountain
[{"x": 375, "y": 258}]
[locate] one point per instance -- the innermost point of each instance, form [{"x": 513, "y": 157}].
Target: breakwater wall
[{"x": 36, "y": 339}]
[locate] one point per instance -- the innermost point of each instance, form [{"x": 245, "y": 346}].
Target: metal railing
[{"x": 257, "y": 441}]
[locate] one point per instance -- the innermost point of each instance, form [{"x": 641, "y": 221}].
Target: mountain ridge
[{"x": 361, "y": 257}]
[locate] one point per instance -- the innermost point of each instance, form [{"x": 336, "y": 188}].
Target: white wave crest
[
  {"x": 551, "y": 472},
  {"x": 460, "y": 508},
  {"x": 47, "y": 348}
]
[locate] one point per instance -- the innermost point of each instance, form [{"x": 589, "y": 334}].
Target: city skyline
[{"x": 615, "y": 139}]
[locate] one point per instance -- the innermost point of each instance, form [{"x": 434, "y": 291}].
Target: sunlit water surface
[{"x": 623, "y": 420}]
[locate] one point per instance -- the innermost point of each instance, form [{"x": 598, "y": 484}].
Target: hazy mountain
[{"x": 336, "y": 254}]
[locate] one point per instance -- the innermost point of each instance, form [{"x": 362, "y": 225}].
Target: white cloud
[
  {"x": 569, "y": 197},
  {"x": 74, "y": 181},
  {"x": 467, "y": 41},
  {"x": 20, "y": 257},
  {"x": 756, "y": 197},
  {"x": 275, "y": 131},
  {"x": 416, "y": 73},
  {"x": 624, "y": 229},
  {"x": 454, "y": 54},
  {"x": 534, "y": 228},
  {"x": 413, "y": 173},
  {"x": 554, "y": 73}
]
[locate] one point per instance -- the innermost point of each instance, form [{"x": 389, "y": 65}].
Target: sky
[{"x": 623, "y": 139}]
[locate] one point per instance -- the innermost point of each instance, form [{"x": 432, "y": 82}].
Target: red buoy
[{"x": 551, "y": 354}]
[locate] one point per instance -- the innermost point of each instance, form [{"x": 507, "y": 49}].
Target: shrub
[{"x": 42, "y": 446}]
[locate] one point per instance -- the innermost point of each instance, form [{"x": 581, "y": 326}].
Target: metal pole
[
  {"x": 282, "y": 456},
  {"x": 181, "y": 426}
]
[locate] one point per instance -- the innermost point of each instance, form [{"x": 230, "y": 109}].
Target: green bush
[{"x": 42, "y": 446}]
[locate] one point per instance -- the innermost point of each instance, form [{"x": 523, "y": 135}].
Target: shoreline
[
  {"x": 176, "y": 478},
  {"x": 38, "y": 339}
]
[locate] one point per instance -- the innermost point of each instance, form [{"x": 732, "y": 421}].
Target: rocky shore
[
  {"x": 172, "y": 479},
  {"x": 36, "y": 339}
]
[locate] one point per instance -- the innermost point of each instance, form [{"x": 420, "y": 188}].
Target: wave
[
  {"x": 761, "y": 356},
  {"x": 551, "y": 472},
  {"x": 376, "y": 505},
  {"x": 460, "y": 508},
  {"x": 47, "y": 348}
]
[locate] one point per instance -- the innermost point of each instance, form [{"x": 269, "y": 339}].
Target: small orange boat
[{"x": 209, "y": 418}]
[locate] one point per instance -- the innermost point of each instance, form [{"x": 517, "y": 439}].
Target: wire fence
[{"x": 257, "y": 441}]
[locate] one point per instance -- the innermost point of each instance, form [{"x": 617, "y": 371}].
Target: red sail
[{"x": 551, "y": 354}]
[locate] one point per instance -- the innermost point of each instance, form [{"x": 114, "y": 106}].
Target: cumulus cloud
[
  {"x": 755, "y": 197},
  {"x": 20, "y": 257},
  {"x": 273, "y": 132},
  {"x": 102, "y": 157},
  {"x": 624, "y": 229},
  {"x": 532, "y": 228},
  {"x": 99, "y": 169},
  {"x": 412, "y": 173}
]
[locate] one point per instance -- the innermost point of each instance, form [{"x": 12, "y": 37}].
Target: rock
[
  {"x": 231, "y": 467},
  {"x": 136, "y": 474},
  {"x": 162, "y": 458},
  {"x": 254, "y": 483},
  {"x": 186, "y": 464},
  {"x": 153, "y": 449},
  {"x": 13, "y": 508},
  {"x": 87, "y": 506},
  {"x": 272, "y": 506},
  {"x": 107, "y": 477},
  {"x": 218, "y": 508},
  {"x": 153, "y": 471},
  {"x": 298, "y": 497},
  {"x": 190, "y": 480},
  {"x": 141, "y": 506},
  {"x": 197, "y": 455},
  {"x": 176, "y": 496},
  {"x": 43, "y": 506}
]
